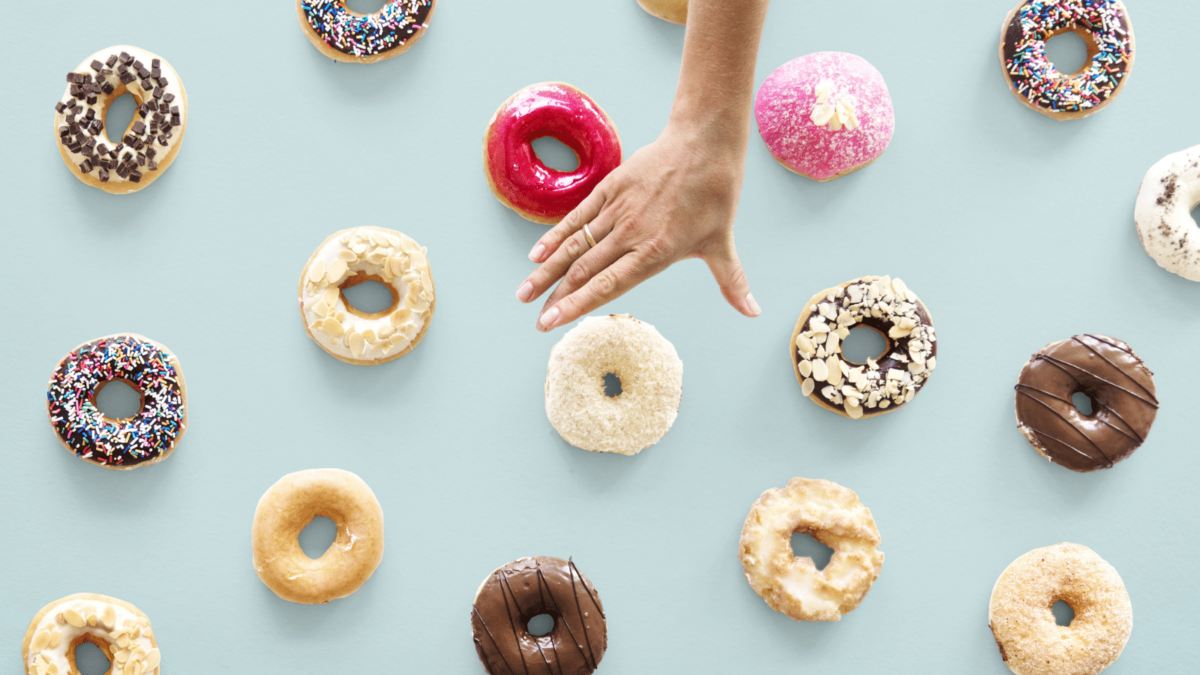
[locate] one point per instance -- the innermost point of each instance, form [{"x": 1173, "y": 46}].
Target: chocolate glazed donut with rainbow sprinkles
[
  {"x": 1105, "y": 28},
  {"x": 146, "y": 438},
  {"x": 345, "y": 35}
]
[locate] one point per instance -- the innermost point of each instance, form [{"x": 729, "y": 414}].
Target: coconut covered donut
[
  {"x": 1163, "y": 213},
  {"x": 348, "y": 258},
  {"x": 154, "y": 136},
  {"x": 1022, "y": 619},
  {"x": 345, "y": 35},
  {"x": 674, "y": 11},
  {"x": 651, "y": 377},
  {"x": 118, "y": 628},
  {"x": 832, "y": 515},
  {"x": 858, "y": 390}
]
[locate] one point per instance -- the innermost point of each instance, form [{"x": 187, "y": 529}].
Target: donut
[
  {"x": 515, "y": 593},
  {"x": 151, "y": 141},
  {"x": 515, "y": 174},
  {"x": 1022, "y": 619},
  {"x": 347, "y": 36},
  {"x": 825, "y": 115},
  {"x": 1103, "y": 25},
  {"x": 118, "y": 628},
  {"x": 879, "y": 386},
  {"x": 1121, "y": 389},
  {"x": 1163, "y": 213},
  {"x": 146, "y": 438},
  {"x": 288, "y": 507},
  {"x": 674, "y": 11},
  {"x": 794, "y": 586},
  {"x": 650, "y": 374},
  {"x": 348, "y": 258}
]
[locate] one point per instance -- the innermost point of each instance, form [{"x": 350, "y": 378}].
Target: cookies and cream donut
[
  {"x": 1121, "y": 389},
  {"x": 674, "y": 11},
  {"x": 650, "y": 374},
  {"x": 120, "y": 630},
  {"x": 515, "y": 174},
  {"x": 288, "y": 507},
  {"x": 345, "y": 35},
  {"x": 1163, "y": 214},
  {"x": 515, "y": 593},
  {"x": 832, "y": 515},
  {"x": 348, "y": 258},
  {"x": 152, "y": 140},
  {"x": 1032, "y": 77},
  {"x": 1022, "y": 619},
  {"x": 876, "y": 387},
  {"x": 146, "y": 438},
  {"x": 825, "y": 115}
]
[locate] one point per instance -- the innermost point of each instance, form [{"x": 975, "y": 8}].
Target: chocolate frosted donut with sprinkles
[
  {"x": 345, "y": 35},
  {"x": 1103, "y": 25},
  {"x": 147, "y": 437}
]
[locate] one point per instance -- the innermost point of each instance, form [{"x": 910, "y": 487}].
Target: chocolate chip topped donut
[{"x": 1121, "y": 390}]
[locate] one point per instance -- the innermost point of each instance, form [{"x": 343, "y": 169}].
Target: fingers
[
  {"x": 607, "y": 285},
  {"x": 574, "y": 221},
  {"x": 727, "y": 270},
  {"x": 572, "y": 258}
]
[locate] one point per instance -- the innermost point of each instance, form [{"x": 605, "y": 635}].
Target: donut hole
[
  {"x": 117, "y": 399},
  {"x": 90, "y": 659},
  {"x": 805, "y": 546},
  {"x": 118, "y": 115},
  {"x": 367, "y": 296},
  {"x": 1083, "y": 403},
  {"x": 540, "y": 625},
  {"x": 365, "y": 6},
  {"x": 317, "y": 537},
  {"x": 1064, "y": 614},
  {"x": 612, "y": 385},
  {"x": 555, "y": 154},
  {"x": 864, "y": 342},
  {"x": 1071, "y": 51}
]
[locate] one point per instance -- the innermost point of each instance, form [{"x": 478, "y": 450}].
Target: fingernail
[
  {"x": 536, "y": 254},
  {"x": 525, "y": 292},
  {"x": 752, "y": 305},
  {"x": 547, "y": 319}
]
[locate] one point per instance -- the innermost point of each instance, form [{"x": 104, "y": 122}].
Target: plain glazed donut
[
  {"x": 832, "y": 515},
  {"x": 1163, "y": 214},
  {"x": 347, "y": 36},
  {"x": 348, "y": 258},
  {"x": 148, "y": 437},
  {"x": 1022, "y": 619},
  {"x": 651, "y": 377},
  {"x": 1103, "y": 25},
  {"x": 515, "y": 593},
  {"x": 857, "y": 390},
  {"x": 515, "y": 174},
  {"x": 118, "y": 628},
  {"x": 154, "y": 136},
  {"x": 288, "y": 507},
  {"x": 674, "y": 11}
]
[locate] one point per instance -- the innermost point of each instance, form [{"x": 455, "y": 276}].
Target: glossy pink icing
[
  {"x": 786, "y": 101},
  {"x": 560, "y": 111}
]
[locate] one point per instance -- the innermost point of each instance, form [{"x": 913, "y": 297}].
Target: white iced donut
[
  {"x": 1163, "y": 214},
  {"x": 120, "y": 630}
]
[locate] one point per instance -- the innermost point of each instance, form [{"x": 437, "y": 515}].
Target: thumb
[{"x": 727, "y": 270}]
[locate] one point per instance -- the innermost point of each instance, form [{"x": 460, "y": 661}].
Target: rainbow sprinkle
[{"x": 370, "y": 34}]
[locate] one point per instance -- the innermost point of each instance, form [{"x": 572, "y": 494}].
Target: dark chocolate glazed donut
[
  {"x": 523, "y": 589},
  {"x": 1119, "y": 385}
]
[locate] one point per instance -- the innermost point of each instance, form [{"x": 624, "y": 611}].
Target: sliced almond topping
[
  {"x": 51, "y": 668},
  {"x": 316, "y": 271},
  {"x": 60, "y": 618},
  {"x": 123, "y": 641},
  {"x": 55, "y": 638},
  {"x": 337, "y": 269},
  {"x": 320, "y": 309},
  {"x": 357, "y": 343},
  {"x": 854, "y": 411},
  {"x": 121, "y": 656},
  {"x": 833, "y": 365},
  {"x": 152, "y": 659},
  {"x": 831, "y": 345},
  {"x": 418, "y": 260},
  {"x": 930, "y": 363},
  {"x": 42, "y": 669},
  {"x": 108, "y": 617},
  {"x": 74, "y": 618},
  {"x": 807, "y": 387},
  {"x": 820, "y": 371},
  {"x": 330, "y": 296},
  {"x": 805, "y": 344},
  {"x": 401, "y": 316},
  {"x": 821, "y": 114},
  {"x": 130, "y": 668},
  {"x": 347, "y": 255},
  {"x": 805, "y": 368},
  {"x": 40, "y": 641},
  {"x": 386, "y": 331},
  {"x": 396, "y": 265},
  {"x": 369, "y": 335},
  {"x": 334, "y": 328}
]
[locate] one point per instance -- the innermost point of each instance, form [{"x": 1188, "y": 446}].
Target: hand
[{"x": 673, "y": 199}]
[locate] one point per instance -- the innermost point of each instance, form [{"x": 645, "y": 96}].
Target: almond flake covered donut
[
  {"x": 1163, "y": 214},
  {"x": 832, "y": 515},
  {"x": 348, "y": 258},
  {"x": 118, "y": 628}
]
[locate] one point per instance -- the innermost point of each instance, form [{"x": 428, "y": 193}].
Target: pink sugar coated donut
[{"x": 825, "y": 114}]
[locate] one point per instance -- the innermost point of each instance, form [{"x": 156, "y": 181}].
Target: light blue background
[{"x": 1015, "y": 230}]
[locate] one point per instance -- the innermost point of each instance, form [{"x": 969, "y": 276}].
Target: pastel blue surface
[{"x": 1016, "y": 231}]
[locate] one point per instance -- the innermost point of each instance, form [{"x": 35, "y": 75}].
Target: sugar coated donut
[
  {"x": 825, "y": 115},
  {"x": 1022, "y": 619},
  {"x": 151, "y": 141},
  {"x": 515, "y": 593},
  {"x": 1121, "y": 389},
  {"x": 674, "y": 11},
  {"x": 1163, "y": 214},
  {"x": 651, "y": 377},
  {"x": 832, "y": 515},
  {"x": 876, "y": 387},
  {"x": 288, "y": 507},
  {"x": 146, "y": 438},
  {"x": 519, "y": 179},
  {"x": 120, "y": 630},
  {"x": 348, "y": 258},
  {"x": 347, "y": 36},
  {"x": 1103, "y": 25}
]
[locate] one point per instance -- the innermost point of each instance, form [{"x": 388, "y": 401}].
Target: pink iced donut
[{"x": 825, "y": 114}]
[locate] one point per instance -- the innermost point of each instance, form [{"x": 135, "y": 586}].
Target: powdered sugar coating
[{"x": 859, "y": 130}]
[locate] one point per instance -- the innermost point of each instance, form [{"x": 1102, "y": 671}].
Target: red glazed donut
[{"x": 519, "y": 179}]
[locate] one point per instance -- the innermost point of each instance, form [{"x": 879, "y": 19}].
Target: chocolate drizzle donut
[
  {"x": 523, "y": 589},
  {"x": 1121, "y": 390}
]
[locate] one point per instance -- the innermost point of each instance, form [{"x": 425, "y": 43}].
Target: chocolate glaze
[
  {"x": 523, "y": 589},
  {"x": 1120, "y": 386}
]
